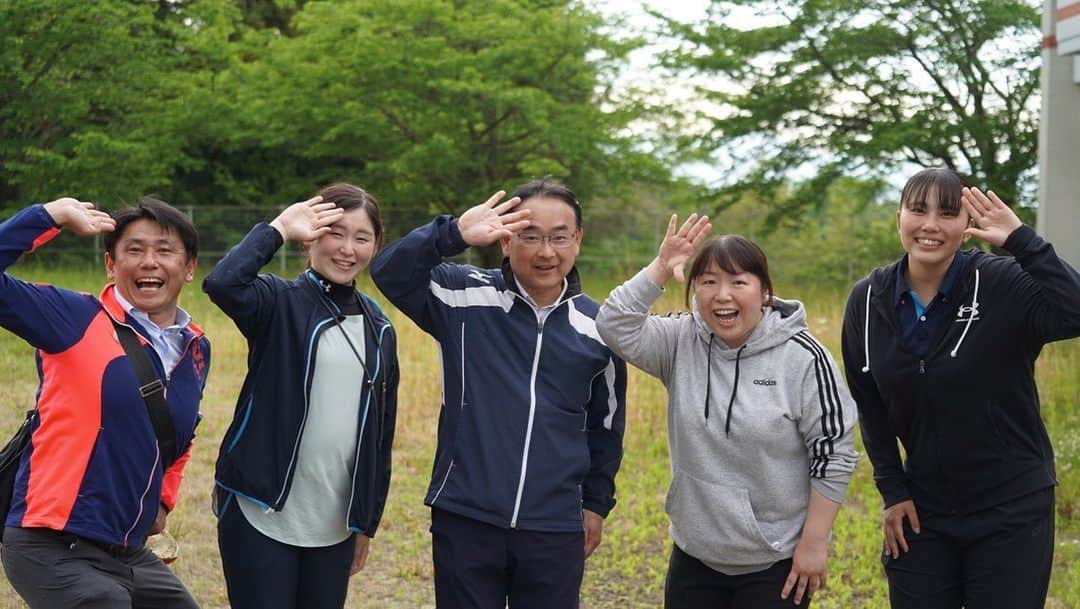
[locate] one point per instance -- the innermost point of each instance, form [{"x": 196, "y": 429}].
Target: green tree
[
  {"x": 427, "y": 103},
  {"x": 862, "y": 87},
  {"x": 91, "y": 94}
]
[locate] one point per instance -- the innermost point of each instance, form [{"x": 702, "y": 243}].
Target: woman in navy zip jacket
[
  {"x": 940, "y": 351},
  {"x": 304, "y": 468}
]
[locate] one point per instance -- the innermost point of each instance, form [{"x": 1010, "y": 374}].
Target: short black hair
[
  {"x": 948, "y": 184},
  {"x": 549, "y": 187},
  {"x": 735, "y": 254},
  {"x": 168, "y": 217}
]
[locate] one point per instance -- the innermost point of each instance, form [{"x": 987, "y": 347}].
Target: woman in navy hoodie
[
  {"x": 940, "y": 350},
  {"x": 304, "y": 468}
]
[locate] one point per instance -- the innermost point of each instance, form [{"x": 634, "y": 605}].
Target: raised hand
[
  {"x": 490, "y": 221},
  {"x": 677, "y": 248},
  {"x": 307, "y": 220},
  {"x": 994, "y": 221},
  {"x": 79, "y": 217}
]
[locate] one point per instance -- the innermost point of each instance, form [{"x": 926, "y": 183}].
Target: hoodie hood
[
  {"x": 783, "y": 319},
  {"x": 879, "y": 291}
]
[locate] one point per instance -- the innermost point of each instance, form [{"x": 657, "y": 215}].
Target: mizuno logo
[
  {"x": 477, "y": 275},
  {"x": 769, "y": 382}
]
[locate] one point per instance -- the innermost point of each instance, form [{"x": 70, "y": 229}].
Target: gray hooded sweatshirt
[{"x": 779, "y": 420}]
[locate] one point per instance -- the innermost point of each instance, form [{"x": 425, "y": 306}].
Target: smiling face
[
  {"x": 542, "y": 255},
  {"x": 341, "y": 254},
  {"x": 930, "y": 232},
  {"x": 149, "y": 266},
  {"x": 730, "y": 304}
]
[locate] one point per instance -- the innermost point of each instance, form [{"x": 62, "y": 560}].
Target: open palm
[
  {"x": 994, "y": 220},
  {"x": 679, "y": 246},
  {"x": 80, "y": 217},
  {"x": 490, "y": 221},
  {"x": 307, "y": 220}
]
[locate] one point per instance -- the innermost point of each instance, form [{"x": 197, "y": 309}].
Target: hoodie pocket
[{"x": 716, "y": 523}]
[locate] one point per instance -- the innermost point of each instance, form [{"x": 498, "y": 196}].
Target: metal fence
[{"x": 613, "y": 239}]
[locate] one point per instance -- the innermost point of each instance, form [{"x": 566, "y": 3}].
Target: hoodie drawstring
[
  {"x": 708, "y": 377},
  {"x": 708, "y": 385},
  {"x": 866, "y": 330},
  {"x": 734, "y": 390},
  {"x": 971, "y": 318}
]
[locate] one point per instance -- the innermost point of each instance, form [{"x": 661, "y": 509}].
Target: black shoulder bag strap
[{"x": 152, "y": 391}]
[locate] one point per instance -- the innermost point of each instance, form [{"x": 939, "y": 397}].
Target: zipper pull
[{"x": 922, "y": 366}]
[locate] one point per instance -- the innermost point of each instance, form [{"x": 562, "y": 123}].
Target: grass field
[{"x": 627, "y": 570}]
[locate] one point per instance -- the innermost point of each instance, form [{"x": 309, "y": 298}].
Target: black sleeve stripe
[
  {"x": 832, "y": 416},
  {"x": 821, "y": 362}
]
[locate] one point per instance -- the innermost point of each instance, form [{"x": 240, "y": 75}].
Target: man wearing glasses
[{"x": 530, "y": 431}]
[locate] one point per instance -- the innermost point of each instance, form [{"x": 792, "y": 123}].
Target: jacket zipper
[
  {"x": 363, "y": 424},
  {"x": 308, "y": 373},
  {"x": 157, "y": 447},
  {"x": 529, "y": 426},
  {"x": 142, "y": 498}
]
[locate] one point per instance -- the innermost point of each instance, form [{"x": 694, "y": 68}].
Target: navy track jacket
[
  {"x": 968, "y": 413},
  {"x": 531, "y": 426},
  {"x": 93, "y": 466},
  {"x": 282, "y": 321}
]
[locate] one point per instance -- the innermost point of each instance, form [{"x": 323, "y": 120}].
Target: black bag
[{"x": 10, "y": 457}]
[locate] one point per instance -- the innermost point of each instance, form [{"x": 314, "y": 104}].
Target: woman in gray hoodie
[{"x": 760, "y": 424}]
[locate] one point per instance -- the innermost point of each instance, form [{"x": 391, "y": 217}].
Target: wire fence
[{"x": 613, "y": 239}]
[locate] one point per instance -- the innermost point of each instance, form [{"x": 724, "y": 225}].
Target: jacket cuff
[
  {"x": 833, "y": 490},
  {"x": 448, "y": 239},
  {"x": 598, "y": 507},
  {"x": 893, "y": 492},
  {"x": 1019, "y": 240},
  {"x": 276, "y": 237},
  {"x": 47, "y": 217}
]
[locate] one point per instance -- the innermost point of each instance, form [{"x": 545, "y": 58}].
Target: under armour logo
[
  {"x": 477, "y": 275},
  {"x": 964, "y": 312}
]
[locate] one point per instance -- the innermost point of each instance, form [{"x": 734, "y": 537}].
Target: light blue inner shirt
[{"x": 168, "y": 342}]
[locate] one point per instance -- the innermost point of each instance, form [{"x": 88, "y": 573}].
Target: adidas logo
[{"x": 768, "y": 382}]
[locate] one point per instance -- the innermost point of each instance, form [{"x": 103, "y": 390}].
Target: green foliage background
[{"x": 231, "y": 109}]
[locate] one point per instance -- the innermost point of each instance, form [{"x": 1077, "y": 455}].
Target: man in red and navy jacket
[{"x": 91, "y": 485}]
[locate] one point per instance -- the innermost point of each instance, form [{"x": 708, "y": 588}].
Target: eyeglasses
[{"x": 558, "y": 241}]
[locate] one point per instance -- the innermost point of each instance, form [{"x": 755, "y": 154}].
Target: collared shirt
[
  {"x": 920, "y": 323},
  {"x": 543, "y": 312},
  {"x": 168, "y": 342}
]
